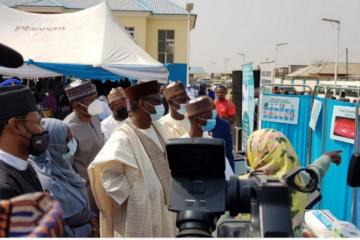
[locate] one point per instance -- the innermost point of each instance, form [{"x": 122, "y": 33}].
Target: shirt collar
[{"x": 13, "y": 161}]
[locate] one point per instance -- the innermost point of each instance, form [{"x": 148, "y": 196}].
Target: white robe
[
  {"x": 127, "y": 190},
  {"x": 168, "y": 127},
  {"x": 108, "y": 126}
]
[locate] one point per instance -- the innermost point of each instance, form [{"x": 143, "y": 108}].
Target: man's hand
[
  {"x": 94, "y": 221},
  {"x": 335, "y": 156}
]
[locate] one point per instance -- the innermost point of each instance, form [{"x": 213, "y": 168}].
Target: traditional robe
[
  {"x": 108, "y": 126},
  {"x": 128, "y": 190},
  {"x": 168, "y": 127}
]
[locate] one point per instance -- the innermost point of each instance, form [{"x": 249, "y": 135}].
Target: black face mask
[
  {"x": 121, "y": 114},
  {"x": 38, "y": 143}
]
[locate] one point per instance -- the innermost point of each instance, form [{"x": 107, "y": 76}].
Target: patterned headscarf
[{"x": 270, "y": 151}]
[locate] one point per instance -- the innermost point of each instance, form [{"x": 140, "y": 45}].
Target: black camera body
[{"x": 200, "y": 194}]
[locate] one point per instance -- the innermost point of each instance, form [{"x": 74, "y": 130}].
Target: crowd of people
[
  {"x": 116, "y": 170},
  {"x": 108, "y": 171}
]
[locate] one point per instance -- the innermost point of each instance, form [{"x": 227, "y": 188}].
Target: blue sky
[{"x": 253, "y": 27}]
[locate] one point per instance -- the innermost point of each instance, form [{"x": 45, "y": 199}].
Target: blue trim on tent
[
  {"x": 79, "y": 71},
  {"x": 10, "y": 82}
]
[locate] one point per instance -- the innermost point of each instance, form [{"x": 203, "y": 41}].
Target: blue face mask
[
  {"x": 214, "y": 114},
  {"x": 210, "y": 125},
  {"x": 72, "y": 146},
  {"x": 160, "y": 110}
]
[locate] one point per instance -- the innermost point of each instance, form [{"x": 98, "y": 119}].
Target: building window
[
  {"x": 130, "y": 30},
  {"x": 166, "y": 46}
]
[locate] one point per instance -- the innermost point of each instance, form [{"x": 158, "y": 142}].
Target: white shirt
[
  {"x": 168, "y": 127},
  {"x": 13, "y": 161},
  {"x": 108, "y": 126},
  {"x": 150, "y": 132},
  {"x": 106, "y": 111}
]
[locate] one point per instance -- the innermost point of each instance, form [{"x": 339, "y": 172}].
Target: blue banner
[
  {"x": 177, "y": 72},
  {"x": 79, "y": 71}
]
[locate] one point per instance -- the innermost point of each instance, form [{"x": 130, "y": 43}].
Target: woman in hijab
[
  {"x": 59, "y": 178},
  {"x": 270, "y": 151}
]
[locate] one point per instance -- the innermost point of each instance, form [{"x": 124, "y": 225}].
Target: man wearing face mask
[
  {"x": 85, "y": 126},
  {"x": 119, "y": 107},
  {"x": 21, "y": 134},
  {"x": 222, "y": 130},
  {"x": 202, "y": 118},
  {"x": 130, "y": 176},
  {"x": 174, "y": 124}
]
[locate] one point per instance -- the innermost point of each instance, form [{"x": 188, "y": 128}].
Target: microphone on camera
[{"x": 9, "y": 57}]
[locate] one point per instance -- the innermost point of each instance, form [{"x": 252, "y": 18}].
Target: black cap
[
  {"x": 9, "y": 57},
  {"x": 16, "y": 101},
  {"x": 142, "y": 90}
]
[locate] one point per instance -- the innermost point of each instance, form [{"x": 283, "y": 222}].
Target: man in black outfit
[{"x": 21, "y": 134}]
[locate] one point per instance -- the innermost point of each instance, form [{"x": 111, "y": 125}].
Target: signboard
[
  {"x": 315, "y": 113},
  {"x": 248, "y": 103},
  {"x": 279, "y": 109},
  {"x": 343, "y": 124},
  {"x": 266, "y": 75}
]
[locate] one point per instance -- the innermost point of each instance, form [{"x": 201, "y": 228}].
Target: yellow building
[{"x": 158, "y": 26}]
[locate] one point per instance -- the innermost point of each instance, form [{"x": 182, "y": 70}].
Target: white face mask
[
  {"x": 72, "y": 146},
  {"x": 95, "y": 108},
  {"x": 160, "y": 110}
]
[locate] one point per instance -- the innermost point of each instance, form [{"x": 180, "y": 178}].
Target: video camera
[{"x": 200, "y": 194}]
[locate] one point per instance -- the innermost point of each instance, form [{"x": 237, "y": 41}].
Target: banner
[
  {"x": 343, "y": 124},
  {"x": 315, "y": 113},
  {"x": 279, "y": 109},
  {"x": 248, "y": 103},
  {"x": 266, "y": 75}
]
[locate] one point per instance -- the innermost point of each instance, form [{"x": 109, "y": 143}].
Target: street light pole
[
  {"x": 189, "y": 8},
  {"x": 277, "y": 46},
  {"x": 226, "y": 60},
  {"x": 243, "y": 56},
  {"x": 337, "y": 45}
]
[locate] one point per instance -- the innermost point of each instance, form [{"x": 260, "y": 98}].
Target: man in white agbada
[
  {"x": 174, "y": 124},
  {"x": 202, "y": 120},
  {"x": 119, "y": 107},
  {"x": 130, "y": 176}
]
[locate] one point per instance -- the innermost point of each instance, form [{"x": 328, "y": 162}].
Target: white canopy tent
[
  {"x": 89, "y": 37},
  {"x": 28, "y": 71}
]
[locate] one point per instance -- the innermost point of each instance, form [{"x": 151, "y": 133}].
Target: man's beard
[{"x": 121, "y": 114}]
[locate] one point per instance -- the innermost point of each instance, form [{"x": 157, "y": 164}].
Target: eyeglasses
[
  {"x": 202, "y": 119},
  {"x": 41, "y": 123}
]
